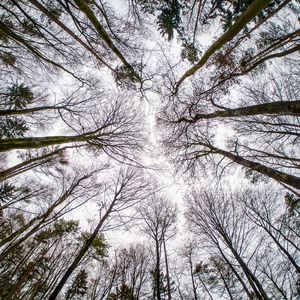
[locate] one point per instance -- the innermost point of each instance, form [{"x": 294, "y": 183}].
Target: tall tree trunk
[
  {"x": 277, "y": 175},
  {"x": 18, "y": 39},
  {"x": 84, "y": 7},
  {"x": 251, "y": 12},
  {"x": 28, "y": 165},
  {"x": 192, "y": 277},
  {"x": 39, "y": 142},
  {"x": 283, "y": 249},
  {"x": 157, "y": 270},
  {"x": 81, "y": 254},
  {"x": 237, "y": 275},
  {"x": 24, "y": 111},
  {"x": 53, "y": 18},
  {"x": 254, "y": 282},
  {"x": 279, "y": 108},
  {"x": 167, "y": 269},
  {"x": 40, "y": 218}
]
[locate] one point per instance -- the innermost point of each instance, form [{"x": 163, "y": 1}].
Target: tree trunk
[
  {"x": 167, "y": 269},
  {"x": 24, "y": 111},
  {"x": 237, "y": 275},
  {"x": 157, "y": 271},
  {"x": 18, "y": 39},
  {"x": 279, "y": 108},
  {"x": 80, "y": 254},
  {"x": 28, "y": 165},
  {"x": 42, "y": 219},
  {"x": 288, "y": 179},
  {"x": 252, "y": 11},
  {"x": 39, "y": 142},
  {"x": 254, "y": 282},
  {"x": 69, "y": 31},
  {"x": 192, "y": 277},
  {"x": 84, "y": 7}
]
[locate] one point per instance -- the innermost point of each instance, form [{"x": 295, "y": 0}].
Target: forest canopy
[{"x": 149, "y": 149}]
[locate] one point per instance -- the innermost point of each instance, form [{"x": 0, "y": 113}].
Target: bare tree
[
  {"x": 217, "y": 220},
  {"x": 159, "y": 217},
  {"x": 129, "y": 188}
]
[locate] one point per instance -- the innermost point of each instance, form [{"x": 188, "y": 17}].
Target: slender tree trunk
[
  {"x": 205, "y": 287},
  {"x": 28, "y": 165},
  {"x": 226, "y": 286},
  {"x": 80, "y": 254},
  {"x": 69, "y": 31},
  {"x": 251, "y": 12},
  {"x": 268, "y": 57},
  {"x": 167, "y": 269},
  {"x": 157, "y": 271},
  {"x": 254, "y": 282},
  {"x": 279, "y": 108},
  {"x": 282, "y": 292},
  {"x": 285, "y": 252},
  {"x": 239, "y": 278},
  {"x": 40, "y": 218},
  {"x": 24, "y": 278},
  {"x": 277, "y": 175},
  {"x": 40, "y": 142},
  {"x": 18, "y": 39},
  {"x": 84, "y": 7},
  {"x": 193, "y": 278}
]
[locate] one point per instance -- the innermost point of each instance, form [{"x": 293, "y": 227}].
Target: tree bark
[
  {"x": 69, "y": 31},
  {"x": 84, "y": 7},
  {"x": 252, "y": 11},
  {"x": 40, "y": 142},
  {"x": 277, "y": 175},
  {"x": 279, "y": 108},
  {"x": 28, "y": 165}
]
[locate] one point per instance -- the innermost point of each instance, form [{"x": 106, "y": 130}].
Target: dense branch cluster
[{"x": 91, "y": 91}]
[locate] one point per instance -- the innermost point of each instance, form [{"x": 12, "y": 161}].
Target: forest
[{"x": 149, "y": 149}]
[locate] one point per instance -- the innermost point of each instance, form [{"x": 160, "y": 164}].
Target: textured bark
[
  {"x": 252, "y": 11},
  {"x": 279, "y": 108},
  {"x": 40, "y": 142},
  {"x": 84, "y": 7},
  {"x": 69, "y": 31},
  {"x": 280, "y": 176},
  {"x": 28, "y": 165}
]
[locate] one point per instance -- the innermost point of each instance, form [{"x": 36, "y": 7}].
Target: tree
[
  {"x": 217, "y": 219},
  {"x": 76, "y": 134},
  {"x": 129, "y": 189},
  {"x": 78, "y": 287},
  {"x": 252, "y": 11},
  {"x": 159, "y": 216},
  {"x": 132, "y": 265},
  {"x": 256, "y": 129}
]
